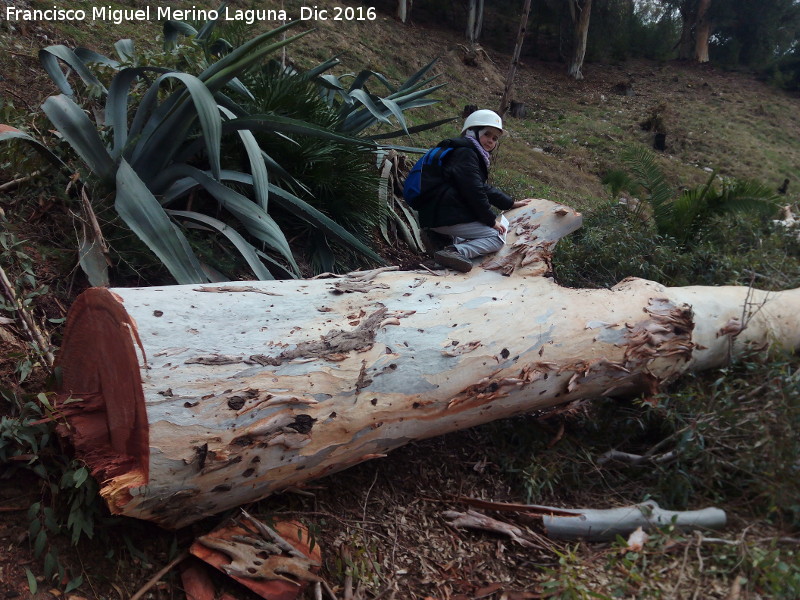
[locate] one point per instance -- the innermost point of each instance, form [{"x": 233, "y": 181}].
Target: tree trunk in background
[
  {"x": 474, "y": 20},
  {"x": 404, "y": 10},
  {"x": 512, "y": 70},
  {"x": 580, "y": 11},
  {"x": 688, "y": 10},
  {"x": 194, "y": 399},
  {"x": 702, "y": 32}
]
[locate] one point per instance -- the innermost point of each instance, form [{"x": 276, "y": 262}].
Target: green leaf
[
  {"x": 395, "y": 109},
  {"x": 76, "y": 128},
  {"x": 80, "y": 476},
  {"x": 51, "y": 566},
  {"x": 137, "y": 206},
  {"x": 32, "y": 585},
  {"x": 74, "y": 584},
  {"x": 245, "y": 249},
  {"x": 39, "y": 543}
]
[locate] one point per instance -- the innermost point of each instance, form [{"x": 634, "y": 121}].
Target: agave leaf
[
  {"x": 93, "y": 262},
  {"x": 148, "y": 220},
  {"x": 257, "y": 222},
  {"x": 318, "y": 219},
  {"x": 405, "y": 98},
  {"x": 316, "y": 72},
  {"x": 363, "y": 76},
  {"x": 257, "y": 167},
  {"x": 330, "y": 82},
  {"x": 208, "y": 27},
  {"x": 416, "y": 77},
  {"x": 174, "y": 188},
  {"x": 361, "y": 119},
  {"x": 172, "y": 29},
  {"x": 395, "y": 109},
  {"x": 245, "y": 56},
  {"x": 412, "y": 130},
  {"x": 11, "y": 133},
  {"x": 90, "y": 56},
  {"x": 125, "y": 50},
  {"x": 277, "y": 123},
  {"x": 161, "y": 139},
  {"x": 413, "y": 237},
  {"x": 237, "y": 86},
  {"x": 298, "y": 207},
  {"x": 410, "y": 237},
  {"x": 76, "y": 128},
  {"x": 220, "y": 47},
  {"x": 277, "y": 268},
  {"x": 245, "y": 249},
  {"x": 370, "y": 105},
  {"x": 117, "y": 103},
  {"x": 49, "y": 58}
]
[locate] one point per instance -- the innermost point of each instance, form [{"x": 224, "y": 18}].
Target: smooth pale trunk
[{"x": 199, "y": 398}]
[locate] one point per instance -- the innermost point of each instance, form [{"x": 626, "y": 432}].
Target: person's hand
[
  {"x": 499, "y": 227},
  {"x": 521, "y": 203}
]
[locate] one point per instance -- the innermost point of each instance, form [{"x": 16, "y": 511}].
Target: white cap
[{"x": 483, "y": 118}]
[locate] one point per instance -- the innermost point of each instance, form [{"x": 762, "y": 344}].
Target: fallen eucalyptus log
[
  {"x": 597, "y": 525},
  {"x": 198, "y": 398}
]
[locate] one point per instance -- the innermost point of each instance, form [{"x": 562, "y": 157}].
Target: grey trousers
[{"x": 472, "y": 239}]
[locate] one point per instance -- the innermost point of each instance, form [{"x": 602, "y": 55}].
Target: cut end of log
[{"x": 100, "y": 393}]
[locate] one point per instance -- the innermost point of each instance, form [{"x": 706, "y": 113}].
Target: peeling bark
[{"x": 192, "y": 402}]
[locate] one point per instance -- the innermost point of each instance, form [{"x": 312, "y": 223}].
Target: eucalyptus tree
[{"x": 580, "y": 12}]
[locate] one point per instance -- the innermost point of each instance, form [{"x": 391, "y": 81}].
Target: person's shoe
[
  {"x": 449, "y": 257},
  {"x": 433, "y": 241}
]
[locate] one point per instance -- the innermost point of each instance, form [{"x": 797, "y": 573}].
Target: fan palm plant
[{"x": 685, "y": 215}]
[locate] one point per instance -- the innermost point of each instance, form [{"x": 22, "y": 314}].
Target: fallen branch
[
  {"x": 15, "y": 182},
  {"x": 157, "y": 577},
  {"x": 636, "y": 459},
  {"x": 475, "y": 520},
  {"x": 27, "y": 323},
  {"x": 604, "y": 525}
]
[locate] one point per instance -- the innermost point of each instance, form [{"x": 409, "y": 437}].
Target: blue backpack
[{"x": 425, "y": 176}]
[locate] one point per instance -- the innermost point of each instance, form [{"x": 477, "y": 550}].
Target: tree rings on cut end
[{"x": 100, "y": 404}]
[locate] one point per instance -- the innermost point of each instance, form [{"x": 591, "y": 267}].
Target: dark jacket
[{"x": 465, "y": 196}]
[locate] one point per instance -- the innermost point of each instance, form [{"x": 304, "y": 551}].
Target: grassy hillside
[{"x": 380, "y": 525}]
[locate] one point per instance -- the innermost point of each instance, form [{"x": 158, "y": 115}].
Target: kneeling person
[{"x": 462, "y": 206}]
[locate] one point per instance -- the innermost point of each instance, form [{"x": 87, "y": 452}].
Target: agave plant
[
  {"x": 166, "y": 141},
  {"x": 163, "y": 133},
  {"x": 685, "y": 215}
]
